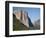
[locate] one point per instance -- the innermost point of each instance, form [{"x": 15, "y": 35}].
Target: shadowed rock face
[{"x": 30, "y": 23}]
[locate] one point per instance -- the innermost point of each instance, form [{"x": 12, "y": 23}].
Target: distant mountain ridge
[{"x": 37, "y": 24}]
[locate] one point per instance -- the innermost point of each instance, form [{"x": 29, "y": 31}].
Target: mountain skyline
[{"x": 33, "y": 13}]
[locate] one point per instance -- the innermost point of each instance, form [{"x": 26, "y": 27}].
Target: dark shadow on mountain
[{"x": 30, "y": 23}]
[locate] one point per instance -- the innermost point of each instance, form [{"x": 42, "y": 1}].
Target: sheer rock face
[
  {"x": 23, "y": 17},
  {"x": 17, "y": 25}
]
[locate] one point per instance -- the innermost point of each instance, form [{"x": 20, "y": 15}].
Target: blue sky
[{"x": 33, "y": 13}]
